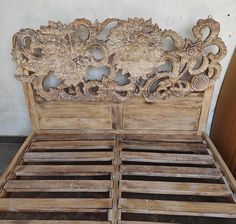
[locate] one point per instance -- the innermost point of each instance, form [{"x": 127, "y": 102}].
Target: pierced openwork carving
[{"x": 132, "y": 48}]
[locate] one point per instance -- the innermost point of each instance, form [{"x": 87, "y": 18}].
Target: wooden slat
[
  {"x": 51, "y": 222},
  {"x": 71, "y": 144},
  {"x": 58, "y": 185},
  {"x": 171, "y": 171},
  {"x": 164, "y": 146},
  {"x": 67, "y": 156},
  {"x": 139, "y": 222},
  {"x": 52, "y": 204},
  {"x": 62, "y": 136},
  {"x": 174, "y": 188},
  {"x": 206, "y": 209},
  {"x": 62, "y": 170},
  {"x": 166, "y": 158},
  {"x": 163, "y": 137}
]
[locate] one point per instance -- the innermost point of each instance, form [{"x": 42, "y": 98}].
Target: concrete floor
[{"x": 7, "y": 152}]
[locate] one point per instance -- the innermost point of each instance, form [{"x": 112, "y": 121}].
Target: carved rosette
[{"x": 134, "y": 47}]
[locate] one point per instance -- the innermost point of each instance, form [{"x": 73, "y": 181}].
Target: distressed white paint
[{"x": 179, "y": 15}]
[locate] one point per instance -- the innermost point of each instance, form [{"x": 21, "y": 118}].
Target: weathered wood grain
[
  {"x": 62, "y": 170},
  {"x": 51, "y": 222},
  {"x": 71, "y": 145},
  {"x": 67, "y": 156},
  {"x": 174, "y": 188},
  {"x": 166, "y": 146},
  {"x": 53, "y": 204},
  {"x": 204, "y": 209},
  {"x": 158, "y": 116},
  {"x": 157, "y": 137},
  {"x": 171, "y": 171},
  {"x": 58, "y": 185},
  {"x": 139, "y": 222},
  {"x": 59, "y": 115},
  {"x": 73, "y": 135},
  {"x": 167, "y": 158}
]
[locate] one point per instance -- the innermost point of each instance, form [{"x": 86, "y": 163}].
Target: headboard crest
[{"x": 135, "y": 49}]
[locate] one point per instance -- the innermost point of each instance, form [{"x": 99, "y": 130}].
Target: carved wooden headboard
[{"x": 137, "y": 90}]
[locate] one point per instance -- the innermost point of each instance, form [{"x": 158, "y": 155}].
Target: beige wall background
[{"x": 179, "y": 15}]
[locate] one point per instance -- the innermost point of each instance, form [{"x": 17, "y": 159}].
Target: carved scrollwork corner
[{"x": 133, "y": 47}]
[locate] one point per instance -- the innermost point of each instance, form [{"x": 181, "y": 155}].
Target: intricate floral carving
[
  {"x": 133, "y": 47},
  {"x": 136, "y": 45}
]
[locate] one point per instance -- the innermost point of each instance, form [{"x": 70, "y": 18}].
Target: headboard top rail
[{"x": 130, "y": 56}]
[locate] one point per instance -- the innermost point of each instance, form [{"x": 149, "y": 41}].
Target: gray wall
[{"x": 179, "y": 15}]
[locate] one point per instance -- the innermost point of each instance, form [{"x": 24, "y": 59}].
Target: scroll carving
[{"x": 135, "y": 48}]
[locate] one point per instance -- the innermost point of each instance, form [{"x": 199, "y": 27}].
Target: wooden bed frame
[{"x": 127, "y": 146}]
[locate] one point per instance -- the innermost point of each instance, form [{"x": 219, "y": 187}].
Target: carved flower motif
[
  {"x": 137, "y": 47},
  {"x": 191, "y": 50},
  {"x": 72, "y": 69},
  {"x": 65, "y": 51},
  {"x": 190, "y": 54}
]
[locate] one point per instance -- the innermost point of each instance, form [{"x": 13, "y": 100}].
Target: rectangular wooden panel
[
  {"x": 164, "y": 115},
  {"x": 72, "y": 115},
  {"x": 182, "y": 114}
]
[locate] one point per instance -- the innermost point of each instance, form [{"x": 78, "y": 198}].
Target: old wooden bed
[{"x": 127, "y": 148}]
